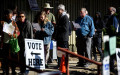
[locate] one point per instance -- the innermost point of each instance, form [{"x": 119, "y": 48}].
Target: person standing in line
[
  {"x": 97, "y": 39},
  {"x": 26, "y": 31},
  {"x": 84, "y": 36},
  {"x": 6, "y": 37},
  {"x": 62, "y": 35},
  {"x": 49, "y": 15},
  {"x": 112, "y": 28},
  {"x": 45, "y": 33},
  {"x": 51, "y": 18}
]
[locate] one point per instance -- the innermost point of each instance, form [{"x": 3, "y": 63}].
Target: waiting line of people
[{"x": 90, "y": 29}]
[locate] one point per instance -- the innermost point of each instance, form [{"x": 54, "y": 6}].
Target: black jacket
[
  {"x": 99, "y": 25},
  {"x": 111, "y": 24},
  {"x": 62, "y": 28},
  {"x": 26, "y": 31}
]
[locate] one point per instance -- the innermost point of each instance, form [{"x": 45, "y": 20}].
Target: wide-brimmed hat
[{"x": 47, "y": 5}]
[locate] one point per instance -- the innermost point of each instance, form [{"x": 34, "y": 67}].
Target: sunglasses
[{"x": 21, "y": 16}]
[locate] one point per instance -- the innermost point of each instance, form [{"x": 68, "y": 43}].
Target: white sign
[
  {"x": 34, "y": 52},
  {"x": 106, "y": 68},
  {"x": 76, "y": 25},
  {"x": 118, "y": 59},
  {"x": 54, "y": 50},
  {"x": 105, "y": 38},
  {"x": 8, "y": 28},
  {"x": 36, "y": 26}
]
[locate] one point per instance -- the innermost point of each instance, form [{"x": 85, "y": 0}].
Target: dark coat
[
  {"x": 99, "y": 25},
  {"x": 45, "y": 35},
  {"x": 62, "y": 28},
  {"x": 111, "y": 24},
  {"x": 26, "y": 31}
]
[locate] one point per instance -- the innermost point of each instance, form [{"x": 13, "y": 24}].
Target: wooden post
[
  {"x": 67, "y": 59},
  {"x": 80, "y": 56}
]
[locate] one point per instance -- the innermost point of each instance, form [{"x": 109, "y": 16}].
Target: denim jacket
[
  {"x": 86, "y": 26},
  {"x": 45, "y": 35}
]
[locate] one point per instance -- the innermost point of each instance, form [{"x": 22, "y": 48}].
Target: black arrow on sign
[
  {"x": 118, "y": 54},
  {"x": 35, "y": 53}
]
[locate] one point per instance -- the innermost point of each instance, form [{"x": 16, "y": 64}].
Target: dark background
[{"x": 72, "y": 6}]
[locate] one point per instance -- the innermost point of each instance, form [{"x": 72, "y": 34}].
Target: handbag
[{"x": 14, "y": 45}]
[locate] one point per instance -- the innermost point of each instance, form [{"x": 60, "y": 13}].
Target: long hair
[{"x": 44, "y": 14}]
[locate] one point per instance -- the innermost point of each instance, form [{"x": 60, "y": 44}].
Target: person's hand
[
  {"x": 42, "y": 29},
  {"x": 95, "y": 30},
  {"x": 10, "y": 34},
  {"x": 34, "y": 30}
]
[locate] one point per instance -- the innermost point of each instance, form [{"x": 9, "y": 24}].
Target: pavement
[{"x": 74, "y": 70}]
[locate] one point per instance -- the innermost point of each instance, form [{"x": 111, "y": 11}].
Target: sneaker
[
  {"x": 46, "y": 66},
  {"x": 86, "y": 65}
]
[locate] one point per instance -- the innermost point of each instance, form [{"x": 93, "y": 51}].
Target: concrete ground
[{"x": 74, "y": 70}]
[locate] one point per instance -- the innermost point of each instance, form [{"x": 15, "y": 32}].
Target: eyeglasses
[{"x": 21, "y": 16}]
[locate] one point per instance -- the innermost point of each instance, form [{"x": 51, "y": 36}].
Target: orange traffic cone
[{"x": 62, "y": 65}]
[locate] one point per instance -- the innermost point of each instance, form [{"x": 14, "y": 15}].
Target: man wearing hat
[{"x": 50, "y": 16}]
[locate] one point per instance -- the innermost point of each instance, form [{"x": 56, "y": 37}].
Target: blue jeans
[{"x": 97, "y": 43}]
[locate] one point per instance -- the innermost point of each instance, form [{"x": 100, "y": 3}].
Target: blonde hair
[{"x": 44, "y": 14}]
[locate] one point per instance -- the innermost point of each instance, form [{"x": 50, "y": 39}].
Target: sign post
[
  {"x": 106, "y": 68},
  {"x": 106, "y": 59},
  {"x": 118, "y": 59},
  {"x": 34, "y": 52}
]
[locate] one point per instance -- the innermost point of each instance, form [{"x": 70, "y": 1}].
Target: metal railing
[{"x": 79, "y": 56}]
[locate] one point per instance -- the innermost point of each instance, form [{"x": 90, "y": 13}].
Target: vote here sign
[{"x": 34, "y": 52}]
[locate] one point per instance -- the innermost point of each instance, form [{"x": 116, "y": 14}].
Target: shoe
[
  {"x": 87, "y": 64},
  {"x": 46, "y": 66},
  {"x": 101, "y": 59},
  {"x": 95, "y": 58}
]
